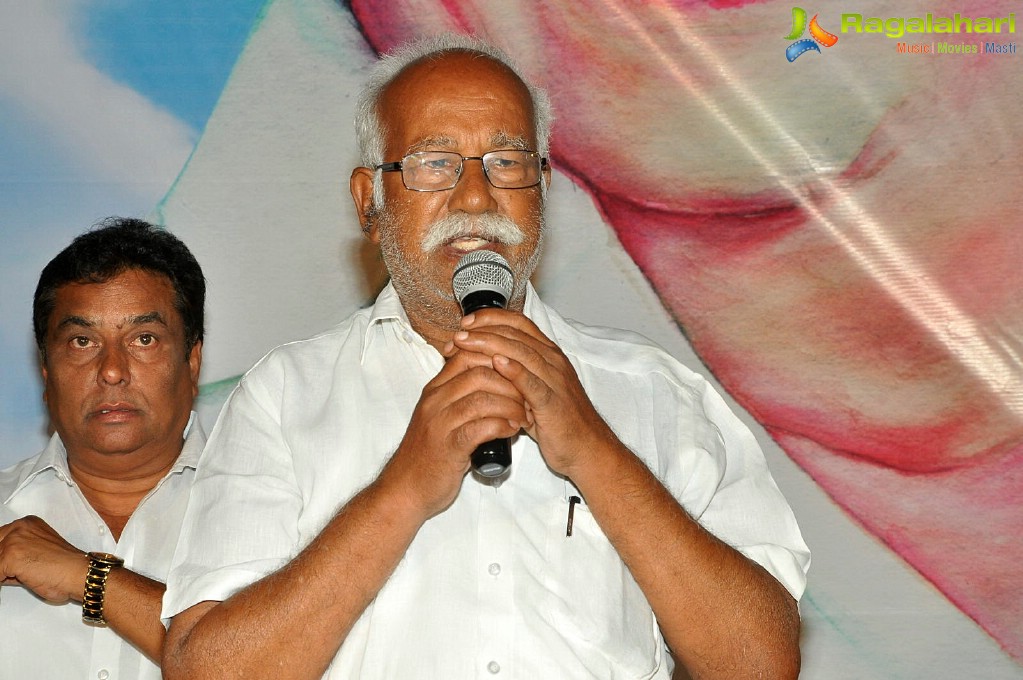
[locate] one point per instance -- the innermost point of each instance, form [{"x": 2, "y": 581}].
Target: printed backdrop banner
[{"x": 817, "y": 206}]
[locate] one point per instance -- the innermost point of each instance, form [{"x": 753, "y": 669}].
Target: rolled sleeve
[{"x": 243, "y": 515}]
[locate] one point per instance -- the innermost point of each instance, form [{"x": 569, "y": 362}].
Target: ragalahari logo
[{"x": 817, "y": 35}]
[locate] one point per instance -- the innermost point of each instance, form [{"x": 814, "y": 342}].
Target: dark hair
[{"x": 116, "y": 245}]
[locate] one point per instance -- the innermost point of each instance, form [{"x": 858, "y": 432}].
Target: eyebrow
[
  {"x": 137, "y": 320},
  {"x": 503, "y": 140},
  {"x": 149, "y": 317},
  {"x": 431, "y": 143}
]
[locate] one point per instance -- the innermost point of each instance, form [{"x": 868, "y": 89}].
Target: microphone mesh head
[{"x": 482, "y": 270}]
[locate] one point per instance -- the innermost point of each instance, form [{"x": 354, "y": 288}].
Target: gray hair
[{"x": 368, "y": 128}]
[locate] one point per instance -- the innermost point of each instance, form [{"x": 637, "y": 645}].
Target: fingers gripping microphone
[{"x": 484, "y": 280}]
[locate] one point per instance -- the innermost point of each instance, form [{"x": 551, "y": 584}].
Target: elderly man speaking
[{"x": 335, "y": 529}]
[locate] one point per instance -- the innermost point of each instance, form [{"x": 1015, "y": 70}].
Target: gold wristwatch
[{"x": 100, "y": 566}]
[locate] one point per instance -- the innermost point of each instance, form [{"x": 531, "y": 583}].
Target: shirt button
[
  {"x": 494, "y": 569},
  {"x": 103, "y": 674},
  {"x": 494, "y": 667},
  {"x": 407, "y": 336}
]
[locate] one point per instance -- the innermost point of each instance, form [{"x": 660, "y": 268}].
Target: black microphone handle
[
  {"x": 492, "y": 458},
  {"x": 482, "y": 299}
]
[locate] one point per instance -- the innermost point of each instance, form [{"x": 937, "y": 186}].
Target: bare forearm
[
  {"x": 33, "y": 554},
  {"x": 132, "y": 610},
  {"x": 315, "y": 599},
  {"x": 722, "y": 614}
]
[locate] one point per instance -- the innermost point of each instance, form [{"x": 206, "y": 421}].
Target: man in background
[{"x": 118, "y": 318}]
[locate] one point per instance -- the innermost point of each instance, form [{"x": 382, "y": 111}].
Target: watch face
[{"x": 106, "y": 558}]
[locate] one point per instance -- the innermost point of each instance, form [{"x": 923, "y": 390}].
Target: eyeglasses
[{"x": 441, "y": 170}]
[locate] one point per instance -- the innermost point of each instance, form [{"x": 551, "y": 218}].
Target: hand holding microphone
[{"x": 482, "y": 280}]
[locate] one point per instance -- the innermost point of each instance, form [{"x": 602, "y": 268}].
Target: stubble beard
[{"x": 435, "y": 302}]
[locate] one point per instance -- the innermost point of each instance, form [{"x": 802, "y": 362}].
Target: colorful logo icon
[{"x": 817, "y": 35}]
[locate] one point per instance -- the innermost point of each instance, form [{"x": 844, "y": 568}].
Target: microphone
[{"x": 482, "y": 280}]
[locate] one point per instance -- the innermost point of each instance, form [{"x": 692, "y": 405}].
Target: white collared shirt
[
  {"x": 491, "y": 587},
  {"x": 42, "y": 641}
]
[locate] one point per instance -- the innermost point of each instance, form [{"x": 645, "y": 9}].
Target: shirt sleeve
[
  {"x": 705, "y": 456},
  {"x": 744, "y": 507},
  {"x": 242, "y": 517}
]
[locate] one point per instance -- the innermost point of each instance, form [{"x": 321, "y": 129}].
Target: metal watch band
[{"x": 100, "y": 565}]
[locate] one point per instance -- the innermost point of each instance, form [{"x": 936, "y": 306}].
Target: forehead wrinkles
[{"x": 128, "y": 300}]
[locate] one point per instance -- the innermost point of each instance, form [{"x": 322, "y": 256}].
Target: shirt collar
[
  {"x": 539, "y": 313},
  {"x": 195, "y": 439},
  {"x": 54, "y": 457},
  {"x": 388, "y": 306},
  {"x": 385, "y": 311}
]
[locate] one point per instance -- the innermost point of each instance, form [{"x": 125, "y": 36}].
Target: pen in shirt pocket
[{"x": 572, "y": 502}]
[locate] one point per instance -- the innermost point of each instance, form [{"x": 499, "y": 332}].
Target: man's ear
[
  {"x": 361, "y": 186},
  {"x": 194, "y": 366},
  {"x": 46, "y": 375}
]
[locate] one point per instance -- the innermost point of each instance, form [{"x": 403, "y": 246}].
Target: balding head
[{"x": 368, "y": 117}]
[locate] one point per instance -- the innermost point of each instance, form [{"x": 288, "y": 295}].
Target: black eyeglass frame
[{"x": 396, "y": 166}]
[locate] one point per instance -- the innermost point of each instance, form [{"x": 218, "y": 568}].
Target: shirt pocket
[{"x": 594, "y": 601}]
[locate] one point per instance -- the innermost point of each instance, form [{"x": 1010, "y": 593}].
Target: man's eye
[
  {"x": 146, "y": 339},
  {"x": 440, "y": 164},
  {"x": 80, "y": 341}
]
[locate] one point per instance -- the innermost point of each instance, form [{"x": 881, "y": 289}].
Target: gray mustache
[{"x": 490, "y": 226}]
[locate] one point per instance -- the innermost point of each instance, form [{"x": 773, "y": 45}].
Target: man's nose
[
  {"x": 114, "y": 366},
  {"x": 473, "y": 193}
]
